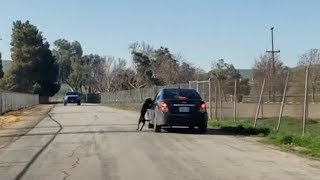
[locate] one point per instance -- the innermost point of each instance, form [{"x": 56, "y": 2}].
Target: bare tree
[
  {"x": 312, "y": 58},
  {"x": 166, "y": 66},
  {"x": 134, "y": 79},
  {"x": 143, "y": 66},
  {"x": 119, "y": 80},
  {"x": 158, "y": 66},
  {"x": 109, "y": 75},
  {"x": 100, "y": 76},
  {"x": 201, "y": 75},
  {"x": 186, "y": 72},
  {"x": 263, "y": 69},
  {"x": 226, "y": 74}
]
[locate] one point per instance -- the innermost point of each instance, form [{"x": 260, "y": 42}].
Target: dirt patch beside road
[
  {"x": 17, "y": 123},
  {"x": 15, "y": 116},
  {"x": 8, "y": 119}
]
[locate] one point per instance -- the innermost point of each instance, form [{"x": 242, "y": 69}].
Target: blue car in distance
[{"x": 72, "y": 97}]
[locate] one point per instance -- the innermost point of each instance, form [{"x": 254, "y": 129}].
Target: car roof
[
  {"x": 72, "y": 92},
  {"x": 177, "y": 89}
]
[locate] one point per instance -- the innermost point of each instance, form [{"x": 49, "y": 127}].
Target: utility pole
[
  {"x": 273, "y": 63},
  {"x": 272, "y": 51},
  {"x": 0, "y": 49}
]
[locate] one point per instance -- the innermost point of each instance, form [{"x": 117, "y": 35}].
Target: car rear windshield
[
  {"x": 72, "y": 93},
  {"x": 181, "y": 94}
]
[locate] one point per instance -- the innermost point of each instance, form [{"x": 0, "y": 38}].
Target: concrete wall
[{"x": 13, "y": 101}]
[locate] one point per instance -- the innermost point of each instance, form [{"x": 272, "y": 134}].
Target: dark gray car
[{"x": 179, "y": 107}]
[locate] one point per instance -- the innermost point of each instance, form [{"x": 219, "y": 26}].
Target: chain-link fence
[
  {"x": 135, "y": 95},
  {"x": 203, "y": 87},
  {"x": 294, "y": 99},
  {"x": 14, "y": 101},
  {"x": 266, "y": 101}
]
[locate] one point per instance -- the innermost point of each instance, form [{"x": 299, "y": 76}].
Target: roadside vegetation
[{"x": 288, "y": 138}]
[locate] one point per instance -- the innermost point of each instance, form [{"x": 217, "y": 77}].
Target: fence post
[
  {"x": 4, "y": 100},
  {"x": 210, "y": 99},
  {"x": 235, "y": 101},
  {"x": 259, "y": 103},
  {"x": 1, "y": 99},
  {"x": 203, "y": 90},
  {"x": 262, "y": 105},
  {"x": 283, "y": 101},
  {"x": 215, "y": 102},
  {"x": 220, "y": 101},
  {"x": 305, "y": 104},
  {"x": 197, "y": 86}
]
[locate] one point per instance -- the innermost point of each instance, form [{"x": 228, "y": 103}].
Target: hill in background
[{"x": 246, "y": 73}]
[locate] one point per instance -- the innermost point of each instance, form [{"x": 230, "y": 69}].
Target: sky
[{"x": 201, "y": 31}]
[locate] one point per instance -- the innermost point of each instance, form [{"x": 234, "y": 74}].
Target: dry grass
[
  {"x": 16, "y": 116},
  {"x": 7, "y": 119}
]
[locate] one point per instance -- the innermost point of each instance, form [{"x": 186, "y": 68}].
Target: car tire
[
  {"x": 157, "y": 128},
  {"x": 79, "y": 103},
  {"x": 150, "y": 126},
  {"x": 191, "y": 127},
  {"x": 65, "y": 104},
  {"x": 203, "y": 128}
]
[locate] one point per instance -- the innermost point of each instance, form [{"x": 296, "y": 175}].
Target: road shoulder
[{"x": 17, "y": 123}]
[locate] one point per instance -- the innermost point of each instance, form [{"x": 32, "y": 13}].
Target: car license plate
[{"x": 184, "y": 109}]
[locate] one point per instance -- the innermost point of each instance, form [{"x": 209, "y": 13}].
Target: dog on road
[{"x": 146, "y": 105}]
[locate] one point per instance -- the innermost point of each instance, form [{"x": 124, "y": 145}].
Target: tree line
[{"x": 38, "y": 69}]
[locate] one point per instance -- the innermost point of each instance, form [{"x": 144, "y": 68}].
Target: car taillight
[
  {"x": 203, "y": 107},
  {"x": 182, "y": 98},
  {"x": 164, "y": 107}
]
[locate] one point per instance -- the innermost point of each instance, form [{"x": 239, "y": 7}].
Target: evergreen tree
[{"x": 34, "y": 69}]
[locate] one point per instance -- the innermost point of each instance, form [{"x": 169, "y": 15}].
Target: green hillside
[{"x": 246, "y": 73}]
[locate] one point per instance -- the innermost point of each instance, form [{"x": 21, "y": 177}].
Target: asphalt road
[{"x": 93, "y": 142}]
